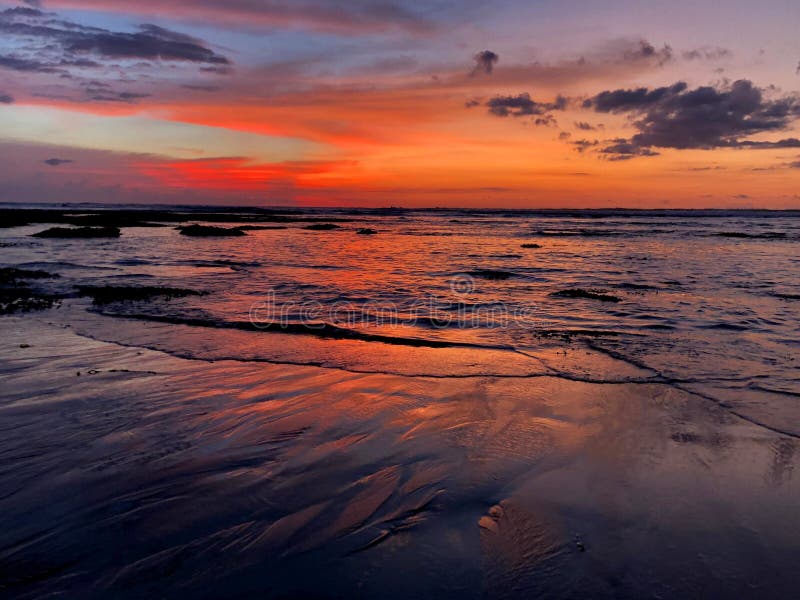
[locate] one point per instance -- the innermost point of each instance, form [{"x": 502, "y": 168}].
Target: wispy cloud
[
  {"x": 710, "y": 53},
  {"x": 56, "y": 162},
  {"x": 336, "y": 16},
  {"x": 522, "y": 105},
  {"x": 48, "y": 43}
]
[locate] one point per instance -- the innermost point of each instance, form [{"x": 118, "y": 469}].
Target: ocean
[{"x": 603, "y": 403}]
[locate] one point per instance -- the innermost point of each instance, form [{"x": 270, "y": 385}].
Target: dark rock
[
  {"x": 78, "y": 232},
  {"x": 366, "y": 231},
  {"x": 210, "y": 231},
  {"x": 321, "y": 227},
  {"x": 642, "y": 287},
  {"x": 490, "y": 274},
  {"x": 531, "y": 246},
  {"x": 110, "y": 293},
  {"x": 16, "y": 296},
  {"x": 13, "y": 220},
  {"x": 769, "y": 235},
  {"x": 13, "y": 276},
  {"x": 586, "y": 294},
  {"x": 260, "y": 227},
  {"x": 23, "y": 300},
  {"x": 568, "y": 334}
]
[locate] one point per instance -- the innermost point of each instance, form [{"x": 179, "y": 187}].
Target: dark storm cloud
[
  {"x": 523, "y": 105},
  {"x": 149, "y": 43},
  {"x": 56, "y": 162},
  {"x": 18, "y": 63},
  {"x": 631, "y": 100},
  {"x": 516, "y": 106},
  {"x": 51, "y": 43},
  {"x": 32, "y": 65},
  {"x": 484, "y": 62},
  {"x": 6, "y": 99},
  {"x": 584, "y": 126},
  {"x": 703, "y": 118}
]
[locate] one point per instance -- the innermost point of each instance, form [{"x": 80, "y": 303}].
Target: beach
[
  {"x": 165, "y": 475},
  {"x": 168, "y": 446}
]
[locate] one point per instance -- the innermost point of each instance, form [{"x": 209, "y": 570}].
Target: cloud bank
[{"x": 706, "y": 117}]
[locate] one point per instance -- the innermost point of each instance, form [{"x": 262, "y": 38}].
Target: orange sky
[{"x": 363, "y": 106}]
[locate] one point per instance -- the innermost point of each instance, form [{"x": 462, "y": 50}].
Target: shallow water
[
  {"x": 478, "y": 433},
  {"x": 718, "y": 314}
]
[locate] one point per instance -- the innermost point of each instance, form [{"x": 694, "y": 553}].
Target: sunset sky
[{"x": 391, "y": 102}]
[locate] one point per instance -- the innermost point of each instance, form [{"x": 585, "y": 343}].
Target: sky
[{"x": 508, "y": 104}]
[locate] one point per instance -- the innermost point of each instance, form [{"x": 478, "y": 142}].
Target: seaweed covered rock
[
  {"x": 23, "y": 299},
  {"x": 586, "y": 295},
  {"x": 210, "y": 231},
  {"x": 490, "y": 274},
  {"x": 14, "y": 276},
  {"x": 768, "y": 235},
  {"x": 260, "y": 227},
  {"x": 321, "y": 227},
  {"x": 78, "y": 232},
  {"x": 9, "y": 220},
  {"x": 107, "y": 294},
  {"x": 17, "y": 296}
]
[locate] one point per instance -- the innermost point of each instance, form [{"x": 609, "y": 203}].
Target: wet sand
[{"x": 128, "y": 472}]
